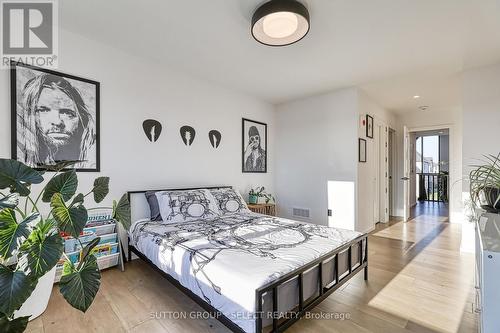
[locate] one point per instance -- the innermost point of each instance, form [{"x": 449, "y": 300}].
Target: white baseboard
[{"x": 367, "y": 231}]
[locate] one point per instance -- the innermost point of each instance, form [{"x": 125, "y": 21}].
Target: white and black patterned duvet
[{"x": 224, "y": 260}]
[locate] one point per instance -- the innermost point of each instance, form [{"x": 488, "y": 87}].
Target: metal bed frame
[{"x": 325, "y": 289}]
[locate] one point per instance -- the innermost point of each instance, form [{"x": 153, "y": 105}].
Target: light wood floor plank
[{"x": 419, "y": 282}]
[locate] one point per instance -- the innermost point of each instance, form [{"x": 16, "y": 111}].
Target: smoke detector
[{"x": 423, "y": 107}]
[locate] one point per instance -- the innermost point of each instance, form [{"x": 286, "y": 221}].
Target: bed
[{"x": 254, "y": 273}]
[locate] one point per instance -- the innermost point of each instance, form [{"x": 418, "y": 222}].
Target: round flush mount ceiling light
[{"x": 280, "y": 22}]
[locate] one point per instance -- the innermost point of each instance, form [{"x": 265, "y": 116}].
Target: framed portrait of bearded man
[
  {"x": 55, "y": 118},
  {"x": 254, "y": 149}
]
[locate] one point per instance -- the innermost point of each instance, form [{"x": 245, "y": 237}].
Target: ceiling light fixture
[
  {"x": 416, "y": 96},
  {"x": 280, "y": 22}
]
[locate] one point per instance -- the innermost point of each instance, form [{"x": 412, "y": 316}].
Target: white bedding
[{"x": 224, "y": 260}]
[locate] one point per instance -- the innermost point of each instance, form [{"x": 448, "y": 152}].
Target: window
[
  {"x": 419, "y": 155},
  {"x": 430, "y": 148},
  {"x": 431, "y": 185},
  {"x": 427, "y": 148}
]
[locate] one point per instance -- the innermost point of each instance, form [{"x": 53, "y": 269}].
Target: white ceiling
[
  {"x": 438, "y": 89},
  {"x": 393, "y": 49}
]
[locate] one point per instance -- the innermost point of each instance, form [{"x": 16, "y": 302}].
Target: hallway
[{"x": 429, "y": 208}]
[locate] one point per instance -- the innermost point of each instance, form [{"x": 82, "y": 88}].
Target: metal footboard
[{"x": 280, "y": 323}]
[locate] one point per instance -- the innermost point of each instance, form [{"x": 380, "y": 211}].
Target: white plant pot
[{"x": 36, "y": 304}]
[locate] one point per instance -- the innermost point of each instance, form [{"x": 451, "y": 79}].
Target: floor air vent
[{"x": 301, "y": 212}]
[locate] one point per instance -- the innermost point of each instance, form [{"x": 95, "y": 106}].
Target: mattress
[{"x": 225, "y": 259}]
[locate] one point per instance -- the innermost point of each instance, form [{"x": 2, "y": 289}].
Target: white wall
[
  {"x": 367, "y": 172},
  {"x": 481, "y": 114},
  {"x": 133, "y": 90},
  {"x": 316, "y": 143},
  {"x": 317, "y": 155},
  {"x": 481, "y": 126},
  {"x": 435, "y": 119}
]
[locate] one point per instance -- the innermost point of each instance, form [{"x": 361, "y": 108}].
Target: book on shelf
[
  {"x": 72, "y": 244},
  {"x": 98, "y": 225},
  {"x": 100, "y": 250}
]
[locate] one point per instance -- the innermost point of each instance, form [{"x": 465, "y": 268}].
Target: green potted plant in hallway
[
  {"x": 31, "y": 244},
  {"x": 484, "y": 182}
]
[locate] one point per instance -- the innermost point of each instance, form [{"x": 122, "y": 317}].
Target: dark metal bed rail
[
  {"x": 303, "y": 305},
  {"x": 324, "y": 290}
]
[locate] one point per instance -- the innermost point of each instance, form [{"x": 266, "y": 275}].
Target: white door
[
  {"x": 390, "y": 169},
  {"x": 376, "y": 174},
  {"x": 406, "y": 174},
  {"x": 384, "y": 175}
]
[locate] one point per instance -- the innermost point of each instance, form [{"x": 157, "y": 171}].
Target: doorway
[
  {"x": 391, "y": 151},
  {"x": 429, "y": 160}
]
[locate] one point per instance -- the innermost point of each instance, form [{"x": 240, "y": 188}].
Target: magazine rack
[{"x": 108, "y": 251}]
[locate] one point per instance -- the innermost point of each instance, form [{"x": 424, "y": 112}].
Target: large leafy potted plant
[
  {"x": 31, "y": 244},
  {"x": 484, "y": 182}
]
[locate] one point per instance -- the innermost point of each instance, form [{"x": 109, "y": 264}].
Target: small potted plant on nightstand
[{"x": 260, "y": 196}]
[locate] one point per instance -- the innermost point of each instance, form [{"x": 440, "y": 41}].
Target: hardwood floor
[
  {"x": 429, "y": 208},
  {"x": 419, "y": 282}
]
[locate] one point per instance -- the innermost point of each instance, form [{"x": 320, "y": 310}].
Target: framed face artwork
[
  {"x": 254, "y": 146},
  {"x": 362, "y": 150},
  {"x": 55, "y": 117},
  {"x": 369, "y": 126}
]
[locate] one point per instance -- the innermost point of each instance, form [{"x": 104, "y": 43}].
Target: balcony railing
[{"x": 432, "y": 187}]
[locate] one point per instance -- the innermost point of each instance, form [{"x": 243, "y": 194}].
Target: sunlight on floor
[
  {"x": 439, "y": 277},
  {"x": 415, "y": 231}
]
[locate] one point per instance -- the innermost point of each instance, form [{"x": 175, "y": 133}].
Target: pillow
[
  {"x": 229, "y": 201},
  {"x": 153, "y": 205},
  {"x": 186, "y": 205}
]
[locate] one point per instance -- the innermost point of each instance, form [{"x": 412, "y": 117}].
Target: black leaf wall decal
[
  {"x": 187, "y": 134},
  {"x": 152, "y": 129},
  {"x": 215, "y": 137}
]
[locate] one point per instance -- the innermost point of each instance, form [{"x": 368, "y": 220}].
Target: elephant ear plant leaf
[
  {"x": 17, "y": 325},
  {"x": 101, "y": 188},
  {"x": 43, "y": 248},
  {"x": 65, "y": 184},
  {"x": 16, "y": 288},
  {"x": 30, "y": 236},
  {"x": 18, "y": 177},
  {"x": 121, "y": 211},
  {"x": 80, "y": 284},
  {"x": 12, "y": 234},
  {"x": 71, "y": 219},
  {"x": 10, "y": 201}
]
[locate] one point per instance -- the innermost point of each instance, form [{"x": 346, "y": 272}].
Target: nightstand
[{"x": 266, "y": 209}]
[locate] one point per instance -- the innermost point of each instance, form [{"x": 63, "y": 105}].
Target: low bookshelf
[{"x": 109, "y": 250}]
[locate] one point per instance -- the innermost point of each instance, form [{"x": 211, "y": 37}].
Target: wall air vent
[{"x": 301, "y": 212}]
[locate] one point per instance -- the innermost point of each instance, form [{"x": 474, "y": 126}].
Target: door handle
[{"x": 405, "y": 178}]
